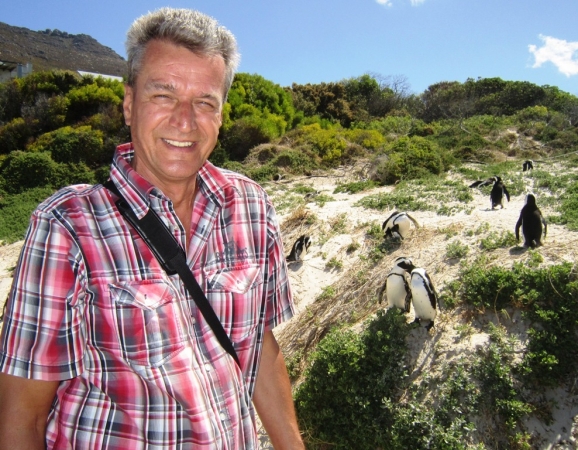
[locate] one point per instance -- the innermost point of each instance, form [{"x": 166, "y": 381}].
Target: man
[{"x": 100, "y": 347}]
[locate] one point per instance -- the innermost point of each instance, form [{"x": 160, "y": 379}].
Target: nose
[{"x": 183, "y": 117}]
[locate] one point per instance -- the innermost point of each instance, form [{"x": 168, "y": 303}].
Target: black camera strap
[{"x": 173, "y": 259}]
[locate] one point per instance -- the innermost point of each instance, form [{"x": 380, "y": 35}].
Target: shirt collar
[{"x": 212, "y": 183}]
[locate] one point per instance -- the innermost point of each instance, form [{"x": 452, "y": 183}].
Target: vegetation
[
  {"x": 63, "y": 129},
  {"x": 359, "y": 391}
]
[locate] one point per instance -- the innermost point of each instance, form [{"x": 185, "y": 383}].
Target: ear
[{"x": 127, "y": 104}]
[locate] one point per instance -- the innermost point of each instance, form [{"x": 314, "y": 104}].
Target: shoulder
[
  {"x": 242, "y": 182},
  {"x": 224, "y": 180},
  {"x": 68, "y": 197}
]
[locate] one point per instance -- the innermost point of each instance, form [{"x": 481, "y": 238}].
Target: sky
[{"x": 312, "y": 41}]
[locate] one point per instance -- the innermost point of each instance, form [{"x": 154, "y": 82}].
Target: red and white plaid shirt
[{"x": 139, "y": 366}]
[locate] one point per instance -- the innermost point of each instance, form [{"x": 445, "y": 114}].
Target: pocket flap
[
  {"x": 149, "y": 294},
  {"x": 235, "y": 279}
]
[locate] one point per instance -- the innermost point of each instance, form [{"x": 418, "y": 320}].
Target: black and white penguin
[
  {"x": 423, "y": 297},
  {"x": 398, "y": 224},
  {"x": 299, "y": 248},
  {"x": 396, "y": 287},
  {"x": 277, "y": 177},
  {"x": 527, "y": 165},
  {"x": 531, "y": 221},
  {"x": 498, "y": 192},
  {"x": 310, "y": 195},
  {"x": 486, "y": 182}
]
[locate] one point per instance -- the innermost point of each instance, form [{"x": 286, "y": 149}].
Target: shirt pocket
[
  {"x": 235, "y": 294},
  {"x": 151, "y": 326}
]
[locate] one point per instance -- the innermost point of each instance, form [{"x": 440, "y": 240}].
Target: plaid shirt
[{"x": 139, "y": 366}]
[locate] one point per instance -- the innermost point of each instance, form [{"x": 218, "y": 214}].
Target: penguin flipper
[
  {"x": 413, "y": 220},
  {"x": 431, "y": 292},
  {"x": 407, "y": 298},
  {"x": 382, "y": 291}
]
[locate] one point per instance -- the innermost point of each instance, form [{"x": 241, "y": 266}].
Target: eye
[{"x": 206, "y": 105}]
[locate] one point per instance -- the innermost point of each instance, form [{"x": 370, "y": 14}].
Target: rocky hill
[{"x": 54, "y": 49}]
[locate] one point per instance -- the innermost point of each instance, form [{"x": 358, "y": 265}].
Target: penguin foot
[{"x": 429, "y": 325}]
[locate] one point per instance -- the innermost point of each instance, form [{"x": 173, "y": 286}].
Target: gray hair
[{"x": 193, "y": 30}]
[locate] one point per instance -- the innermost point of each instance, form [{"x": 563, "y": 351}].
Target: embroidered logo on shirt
[{"x": 231, "y": 253}]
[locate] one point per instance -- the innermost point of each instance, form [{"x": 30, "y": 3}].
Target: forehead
[{"x": 167, "y": 63}]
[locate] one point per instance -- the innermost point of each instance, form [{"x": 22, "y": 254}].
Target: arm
[
  {"x": 273, "y": 399},
  {"x": 24, "y": 408}
]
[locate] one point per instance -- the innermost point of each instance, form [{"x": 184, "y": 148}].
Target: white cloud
[
  {"x": 561, "y": 53},
  {"x": 416, "y": 2}
]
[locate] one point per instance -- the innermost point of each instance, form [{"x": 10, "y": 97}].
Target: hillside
[
  {"x": 54, "y": 49},
  {"x": 333, "y": 288}
]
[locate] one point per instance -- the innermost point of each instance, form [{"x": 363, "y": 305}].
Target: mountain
[{"x": 55, "y": 49}]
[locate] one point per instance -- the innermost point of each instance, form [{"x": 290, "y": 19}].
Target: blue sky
[{"x": 314, "y": 41}]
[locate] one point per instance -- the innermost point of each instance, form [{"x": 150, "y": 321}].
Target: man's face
[{"x": 174, "y": 111}]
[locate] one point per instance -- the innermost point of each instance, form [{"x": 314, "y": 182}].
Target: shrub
[
  {"x": 74, "y": 145},
  {"x": 569, "y": 208},
  {"x": 328, "y": 144},
  {"x": 456, "y": 250},
  {"x": 86, "y": 100},
  {"x": 26, "y": 170},
  {"x": 15, "y": 135},
  {"x": 243, "y": 135},
  {"x": 341, "y": 400},
  {"x": 355, "y": 187},
  {"x": 15, "y": 211},
  {"x": 548, "y": 297},
  {"x": 495, "y": 240},
  {"x": 410, "y": 158},
  {"x": 369, "y": 139}
]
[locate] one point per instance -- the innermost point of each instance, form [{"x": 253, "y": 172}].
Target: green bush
[
  {"x": 74, "y": 145},
  {"x": 548, "y": 297},
  {"x": 341, "y": 400},
  {"x": 86, "y": 100},
  {"x": 355, "y": 187},
  {"x": 328, "y": 144},
  {"x": 244, "y": 134},
  {"x": 14, "y": 135},
  {"x": 26, "y": 170},
  {"x": 456, "y": 250},
  {"x": 369, "y": 139},
  {"x": 568, "y": 208},
  {"x": 15, "y": 211},
  {"x": 410, "y": 158}
]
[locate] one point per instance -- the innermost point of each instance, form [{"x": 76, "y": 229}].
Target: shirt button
[
  {"x": 193, "y": 320},
  {"x": 223, "y": 416},
  {"x": 208, "y": 367}
]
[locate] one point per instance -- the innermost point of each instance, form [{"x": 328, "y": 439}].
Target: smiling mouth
[{"x": 178, "y": 143}]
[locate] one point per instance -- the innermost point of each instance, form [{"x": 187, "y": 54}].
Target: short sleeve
[
  {"x": 44, "y": 334},
  {"x": 279, "y": 297}
]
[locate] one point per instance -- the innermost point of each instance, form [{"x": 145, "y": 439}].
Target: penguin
[
  {"x": 498, "y": 192},
  {"x": 527, "y": 165},
  {"x": 423, "y": 297},
  {"x": 486, "y": 182},
  {"x": 310, "y": 195},
  {"x": 531, "y": 221},
  {"x": 299, "y": 248},
  {"x": 396, "y": 286},
  {"x": 277, "y": 177},
  {"x": 397, "y": 225}
]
